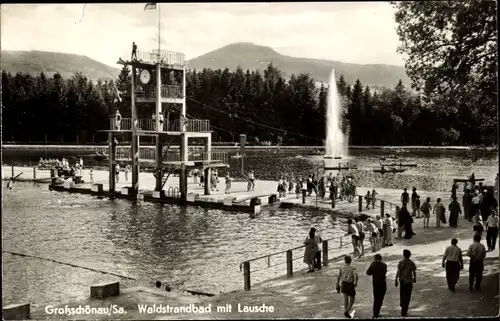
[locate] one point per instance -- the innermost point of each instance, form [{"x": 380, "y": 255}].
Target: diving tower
[{"x": 159, "y": 78}]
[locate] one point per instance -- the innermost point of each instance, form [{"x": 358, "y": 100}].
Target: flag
[{"x": 150, "y": 6}]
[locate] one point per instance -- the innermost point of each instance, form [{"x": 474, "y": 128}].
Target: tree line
[{"x": 264, "y": 106}]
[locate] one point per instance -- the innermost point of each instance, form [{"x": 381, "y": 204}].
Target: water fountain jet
[{"x": 335, "y": 147}]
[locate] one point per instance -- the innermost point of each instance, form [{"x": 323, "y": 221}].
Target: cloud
[{"x": 349, "y": 32}]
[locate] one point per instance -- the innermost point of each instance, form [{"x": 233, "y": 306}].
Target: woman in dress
[{"x": 310, "y": 250}]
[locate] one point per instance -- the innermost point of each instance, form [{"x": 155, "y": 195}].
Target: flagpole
[{"x": 159, "y": 34}]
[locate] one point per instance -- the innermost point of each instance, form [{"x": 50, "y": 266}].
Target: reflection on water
[{"x": 191, "y": 248}]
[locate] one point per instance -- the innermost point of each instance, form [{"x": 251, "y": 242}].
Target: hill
[
  {"x": 255, "y": 57},
  {"x": 34, "y": 62}
]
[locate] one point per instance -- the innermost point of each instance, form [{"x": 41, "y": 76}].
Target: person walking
[
  {"x": 374, "y": 198},
  {"x": 368, "y": 199},
  {"x": 352, "y": 230},
  {"x": 310, "y": 250},
  {"x": 492, "y": 230},
  {"x": 453, "y": 263},
  {"x": 426, "y": 211},
  {"x": 478, "y": 224},
  {"x": 360, "y": 227},
  {"x": 317, "y": 258},
  {"x": 455, "y": 212},
  {"x": 378, "y": 271},
  {"x": 405, "y": 197},
  {"x": 349, "y": 278},
  {"x": 477, "y": 253},
  {"x": 388, "y": 228},
  {"x": 439, "y": 211},
  {"x": 405, "y": 277},
  {"x": 467, "y": 205},
  {"x": 417, "y": 204},
  {"x": 379, "y": 223},
  {"x": 475, "y": 203},
  {"x": 373, "y": 235},
  {"x": 414, "y": 201}
]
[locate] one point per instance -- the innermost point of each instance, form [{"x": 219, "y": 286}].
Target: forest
[
  {"x": 452, "y": 61},
  {"x": 264, "y": 106}
]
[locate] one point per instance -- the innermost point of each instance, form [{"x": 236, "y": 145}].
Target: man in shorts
[{"x": 347, "y": 281}]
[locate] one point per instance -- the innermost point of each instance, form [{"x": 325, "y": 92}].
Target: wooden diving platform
[
  {"x": 175, "y": 164},
  {"x": 149, "y": 64}
]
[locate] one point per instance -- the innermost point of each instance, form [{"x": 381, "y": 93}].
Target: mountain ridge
[
  {"x": 243, "y": 54},
  {"x": 256, "y": 57}
]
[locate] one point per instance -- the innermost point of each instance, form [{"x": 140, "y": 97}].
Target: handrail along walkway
[{"x": 245, "y": 265}]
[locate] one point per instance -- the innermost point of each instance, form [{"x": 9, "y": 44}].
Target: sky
[{"x": 352, "y": 32}]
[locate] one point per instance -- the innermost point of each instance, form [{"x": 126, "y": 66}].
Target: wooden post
[
  {"x": 304, "y": 196},
  {"x": 382, "y": 205},
  {"x": 360, "y": 203},
  {"x": 340, "y": 242},
  {"x": 111, "y": 163},
  {"x": 12, "y": 170},
  {"x": 325, "y": 253},
  {"x": 246, "y": 275},
  {"x": 206, "y": 178},
  {"x": 289, "y": 264},
  {"x": 400, "y": 230},
  {"x": 34, "y": 172}
]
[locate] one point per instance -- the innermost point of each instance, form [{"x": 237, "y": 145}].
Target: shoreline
[{"x": 55, "y": 147}]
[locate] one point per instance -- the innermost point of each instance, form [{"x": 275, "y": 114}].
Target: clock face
[{"x": 145, "y": 76}]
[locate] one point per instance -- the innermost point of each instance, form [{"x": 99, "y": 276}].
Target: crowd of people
[{"x": 379, "y": 231}]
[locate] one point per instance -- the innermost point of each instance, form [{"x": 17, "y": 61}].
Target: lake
[{"x": 188, "y": 247}]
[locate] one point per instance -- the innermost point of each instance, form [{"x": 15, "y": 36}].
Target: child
[
  {"x": 417, "y": 203},
  {"x": 228, "y": 184}
]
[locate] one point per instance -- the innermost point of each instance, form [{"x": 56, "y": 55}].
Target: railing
[
  {"x": 166, "y": 57},
  {"x": 341, "y": 243},
  {"x": 124, "y": 153},
  {"x": 147, "y": 124},
  {"x": 198, "y": 125},
  {"x": 167, "y": 91}
]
